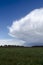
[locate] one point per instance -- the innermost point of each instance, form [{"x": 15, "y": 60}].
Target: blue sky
[
  {"x": 15, "y": 9},
  {"x": 11, "y": 10}
]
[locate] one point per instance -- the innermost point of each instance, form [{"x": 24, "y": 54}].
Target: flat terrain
[{"x": 21, "y": 56}]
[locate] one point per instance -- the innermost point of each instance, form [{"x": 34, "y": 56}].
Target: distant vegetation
[
  {"x": 11, "y": 46},
  {"x": 19, "y": 55},
  {"x": 19, "y": 46}
]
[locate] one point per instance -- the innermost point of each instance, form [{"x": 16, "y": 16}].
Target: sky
[{"x": 21, "y": 22}]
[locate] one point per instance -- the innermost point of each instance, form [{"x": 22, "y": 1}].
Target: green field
[{"x": 21, "y": 56}]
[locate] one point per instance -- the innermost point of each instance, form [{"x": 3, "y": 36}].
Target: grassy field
[{"x": 21, "y": 56}]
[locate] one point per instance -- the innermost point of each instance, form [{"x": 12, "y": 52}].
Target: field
[{"x": 21, "y": 56}]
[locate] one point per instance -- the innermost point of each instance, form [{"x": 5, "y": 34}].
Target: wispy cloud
[
  {"x": 29, "y": 28},
  {"x": 11, "y": 42}
]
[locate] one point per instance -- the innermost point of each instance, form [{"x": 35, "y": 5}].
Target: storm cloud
[{"x": 29, "y": 28}]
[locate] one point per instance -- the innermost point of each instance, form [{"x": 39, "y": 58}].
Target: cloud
[
  {"x": 29, "y": 28},
  {"x": 11, "y": 42}
]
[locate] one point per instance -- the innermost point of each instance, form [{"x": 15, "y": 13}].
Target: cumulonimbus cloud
[{"x": 29, "y": 28}]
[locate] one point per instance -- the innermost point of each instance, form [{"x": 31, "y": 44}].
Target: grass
[{"x": 21, "y": 56}]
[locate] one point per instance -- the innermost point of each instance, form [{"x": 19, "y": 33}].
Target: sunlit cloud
[
  {"x": 29, "y": 28},
  {"x": 11, "y": 42}
]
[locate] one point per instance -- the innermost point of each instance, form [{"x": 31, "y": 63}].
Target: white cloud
[
  {"x": 29, "y": 28},
  {"x": 11, "y": 42}
]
